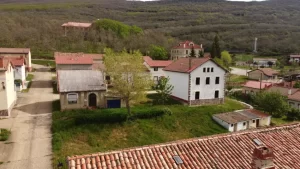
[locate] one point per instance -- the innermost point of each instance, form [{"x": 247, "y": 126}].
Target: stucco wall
[
  {"x": 223, "y": 123},
  {"x": 294, "y": 104},
  {"x": 20, "y": 73},
  {"x": 159, "y": 73},
  {"x": 27, "y": 58},
  {"x": 265, "y": 121},
  {"x": 208, "y": 91},
  {"x": 73, "y": 67},
  {"x": 83, "y": 100},
  {"x": 240, "y": 126},
  {"x": 180, "y": 82}
]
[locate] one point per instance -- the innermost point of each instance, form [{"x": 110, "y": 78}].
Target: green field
[
  {"x": 44, "y": 62},
  {"x": 184, "y": 122}
]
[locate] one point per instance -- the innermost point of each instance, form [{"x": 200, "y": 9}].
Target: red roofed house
[
  {"x": 197, "y": 81},
  {"x": 267, "y": 148},
  {"x": 17, "y": 53},
  {"x": 8, "y": 95},
  {"x": 255, "y": 86},
  {"x": 76, "y": 26},
  {"x": 183, "y": 49},
  {"x": 19, "y": 72},
  {"x": 295, "y": 58},
  {"x": 155, "y": 67},
  {"x": 294, "y": 99},
  {"x": 73, "y": 61}
]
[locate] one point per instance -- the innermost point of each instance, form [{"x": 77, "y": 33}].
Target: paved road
[
  {"x": 238, "y": 71},
  {"x": 29, "y": 146}
]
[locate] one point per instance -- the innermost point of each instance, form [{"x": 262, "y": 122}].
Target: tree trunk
[{"x": 128, "y": 107}]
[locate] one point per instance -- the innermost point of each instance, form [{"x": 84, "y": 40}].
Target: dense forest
[{"x": 37, "y": 24}]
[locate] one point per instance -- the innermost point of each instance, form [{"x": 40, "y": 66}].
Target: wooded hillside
[{"x": 276, "y": 23}]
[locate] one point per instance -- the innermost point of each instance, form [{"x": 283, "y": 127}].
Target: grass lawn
[
  {"x": 28, "y": 78},
  {"x": 280, "y": 121},
  {"x": 44, "y": 62},
  {"x": 4, "y": 134},
  {"x": 184, "y": 122},
  {"x": 243, "y": 57},
  {"x": 238, "y": 79}
]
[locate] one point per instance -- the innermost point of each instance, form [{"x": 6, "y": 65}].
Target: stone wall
[{"x": 207, "y": 101}]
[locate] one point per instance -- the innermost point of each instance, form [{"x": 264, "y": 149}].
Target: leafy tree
[
  {"x": 158, "y": 52},
  {"x": 293, "y": 114},
  {"x": 201, "y": 54},
  {"x": 272, "y": 102},
  {"x": 297, "y": 85},
  {"x": 226, "y": 59},
  {"x": 193, "y": 53},
  {"x": 164, "y": 90},
  {"x": 128, "y": 76}
]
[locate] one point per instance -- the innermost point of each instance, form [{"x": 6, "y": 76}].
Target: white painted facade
[
  {"x": 155, "y": 72},
  {"x": 20, "y": 73},
  {"x": 207, "y": 91},
  {"x": 7, "y": 90},
  {"x": 180, "y": 81}
]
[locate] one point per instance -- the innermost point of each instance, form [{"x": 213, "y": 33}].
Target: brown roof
[
  {"x": 295, "y": 96},
  {"x": 257, "y": 84},
  {"x": 266, "y": 71},
  {"x": 72, "y": 58},
  {"x": 17, "y": 61},
  {"x": 182, "y": 65},
  {"x": 77, "y": 24},
  {"x": 14, "y": 50},
  {"x": 4, "y": 63},
  {"x": 224, "y": 151},
  {"x": 187, "y": 45},
  {"x": 156, "y": 63},
  {"x": 282, "y": 90},
  {"x": 240, "y": 116}
]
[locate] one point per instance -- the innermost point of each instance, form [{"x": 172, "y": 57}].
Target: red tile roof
[
  {"x": 282, "y": 90},
  {"x": 266, "y": 71},
  {"x": 4, "y": 62},
  {"x": 224, "y": 151},
  {"x": 15, "y": 50},
  {"x": 17, "y": 61},
  {"x": 77, "y": 24},
  {"x": 187, "y": 45},
  {"x": 182, "y": 64},
  {"x": 256, "y": 84},
  {"x": 157, "y": 63},
  {"x": 295, "y": 96},
  {"x": 72, "y": 58}
]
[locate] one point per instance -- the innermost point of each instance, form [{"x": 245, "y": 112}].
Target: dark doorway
[
  {"x": 235, "y": 127},
  {"x": 113, "y": 103},
  {"x": 257, "y": 123},
  {"x": 92, "y": 100}
]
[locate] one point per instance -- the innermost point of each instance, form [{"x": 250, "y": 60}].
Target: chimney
[
  {"x": 201, "y": 46},
  {"x": 289, "y": 91},
  {"x": 262, "y": 158}
]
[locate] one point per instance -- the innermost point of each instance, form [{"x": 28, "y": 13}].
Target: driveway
[
  {"x": 29, "y": 146},
  {"x": 238, "y": 71}
]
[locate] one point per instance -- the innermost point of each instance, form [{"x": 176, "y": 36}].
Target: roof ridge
[{"x": 204, "y": 138}]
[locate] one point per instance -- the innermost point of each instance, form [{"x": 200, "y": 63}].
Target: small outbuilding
[
  {"x": 242, "y": 120},
  {"x": 81, "y": 89}
]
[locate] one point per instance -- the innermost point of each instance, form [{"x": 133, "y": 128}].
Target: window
[
  {"x": 72, "y": 98},
  {"x": 197, "y": 80},
  {"x": 217, "y": 80},
  {"x": 207, "y": 81},
  {"x": 155, "y": 68},
  {"x": 217, "y": 94},
  {"x": 208, "y": 69},
  {"x": 244, "y": 124},
  {"x": 212, "y": 69},
  {"x": 231, "y": 125},
  {"x": 197, "y": 95},
  {"x": 186, "y": 52},
  {"x": 253, "y": 121},
  {"x": 107, "y": 77},
  {"x": 204, "y": 69}
]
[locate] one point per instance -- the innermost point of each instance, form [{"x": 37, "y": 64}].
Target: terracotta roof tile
[
  {"x": 77, "y": 24},
  {"x": 17, "y": 61},
  {"x": 182, "y": 64},
  {"x": 295, "y": 96},
  {"x": 157, "y": 63},
  {"x": 226, "y": 151},
  {"x": 15, "y": 50},
  {"x": 72, "y": 58},
  {"x": 4, "y": 63},
  {"x": 186, "y": 45},
  {"x": 282, "y": 90},
  {"x": 267, "y": 71},
  {"x": 256, "y": 84}
]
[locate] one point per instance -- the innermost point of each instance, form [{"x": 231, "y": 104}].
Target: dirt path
[{"x": 29, "y": 146}]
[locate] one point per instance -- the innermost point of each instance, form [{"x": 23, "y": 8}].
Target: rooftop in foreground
[{"x": 226, "y": 151}]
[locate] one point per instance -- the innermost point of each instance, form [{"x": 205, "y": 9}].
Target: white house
[
  {"x": 265, "y": 61},
  {"x": 17, "y": 53},
  {"x": 242, "y": 120},
  {"x": 295, "y": 58},
  {"x": 7, "y": 87},
  {"x": 155, "y": 67},
  {"x": 19, "y": 72},
  {"x": 197, "y": 81}
]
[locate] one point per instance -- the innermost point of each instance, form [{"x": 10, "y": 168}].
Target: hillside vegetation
[{"x": 38, "y": 25}]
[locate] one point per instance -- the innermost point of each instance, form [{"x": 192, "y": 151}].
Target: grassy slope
[
  {"x": 185, "y": 122},
  {"x": 44, "y": 62}
]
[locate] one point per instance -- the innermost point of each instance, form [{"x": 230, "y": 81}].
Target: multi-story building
[{"x": 184, "y": 49}]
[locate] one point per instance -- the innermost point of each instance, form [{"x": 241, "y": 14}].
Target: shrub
[
  {"x": 57, "y": 141},
  {"x": 146, "y": 113},
  {"x": 293, "y": 114},
  {"x": 239, "y": 95},
  {"x": 4, "y": 134}
]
